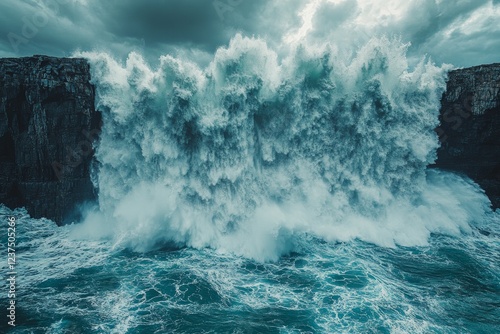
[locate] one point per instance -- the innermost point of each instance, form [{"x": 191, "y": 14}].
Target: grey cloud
[
  {"x": 465, "y": 49},
  {"x": 427, "y": 30},
  {"x": 39, "y": 27},
  {"x": 272, "y": 20},
  {"x": 333, "y": 15},
  {"x": 425, "y": 24},
  {"x": 195, "y": 28},
  {"x": 149, "y": 24},
  {"x": 425, "y": 19},
  {"x": 163, "y": 21}
]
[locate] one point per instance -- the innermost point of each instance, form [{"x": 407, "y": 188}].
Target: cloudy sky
[{"x": 460, "y": 32}]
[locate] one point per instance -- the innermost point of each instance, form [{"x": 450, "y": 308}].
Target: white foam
[{"x": 247, "y": 154}]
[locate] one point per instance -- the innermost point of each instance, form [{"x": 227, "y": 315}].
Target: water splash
[{"x": 256, "y": 150}]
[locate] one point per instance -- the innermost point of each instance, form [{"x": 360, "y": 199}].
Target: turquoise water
[
  {"x": 67, "y": 285},
  {"x": 271, "y": 191}
]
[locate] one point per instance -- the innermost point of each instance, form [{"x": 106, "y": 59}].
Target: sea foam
[{"x": 258, "y": 149}]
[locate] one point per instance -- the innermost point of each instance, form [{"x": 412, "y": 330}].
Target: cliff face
[
  {"x": 47, "y": 127},
  {"x": 470, "y": 127}
]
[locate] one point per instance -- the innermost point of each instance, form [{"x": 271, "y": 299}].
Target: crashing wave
[{"x": 255, "y": 150}]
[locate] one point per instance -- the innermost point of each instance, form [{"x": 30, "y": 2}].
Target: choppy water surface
[{"x": 76, "y": 286}]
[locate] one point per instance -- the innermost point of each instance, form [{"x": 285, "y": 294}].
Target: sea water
[{"x": 266, "y": 193}]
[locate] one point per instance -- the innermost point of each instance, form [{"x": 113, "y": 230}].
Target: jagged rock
[
  {"x": 47, "y": 126},
  {"x": 470, "y": 127}
]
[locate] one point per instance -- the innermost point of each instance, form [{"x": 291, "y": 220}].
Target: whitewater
[{"x": 267, "y": 193}]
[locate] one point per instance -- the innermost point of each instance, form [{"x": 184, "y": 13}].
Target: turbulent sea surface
[
  {"x": 70, "y": 286},
  {"x": 266, "y": 193}
]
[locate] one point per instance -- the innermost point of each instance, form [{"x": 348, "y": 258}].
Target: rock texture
[
  {"x": 47, "y": 126},
  {"x": 470, "y": 127}
]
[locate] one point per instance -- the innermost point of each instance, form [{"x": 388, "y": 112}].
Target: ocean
[{"x": 265, "y": 193}]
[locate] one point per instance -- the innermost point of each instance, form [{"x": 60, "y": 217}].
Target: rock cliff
[
  {"x": 47, "y": 128},
  {"x": 470, "y": 127}
]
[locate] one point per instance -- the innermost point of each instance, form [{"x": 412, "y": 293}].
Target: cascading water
[
  {"x": 267, "y": 193},
  {"x": 252, "y": 152}
]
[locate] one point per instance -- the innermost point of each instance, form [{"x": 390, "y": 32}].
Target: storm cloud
[{"x": 463, "y": 33}]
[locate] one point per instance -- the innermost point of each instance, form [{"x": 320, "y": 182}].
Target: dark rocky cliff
[
  {"x": 470, "y": 127},
  {"x": 47, "y": 126}
]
